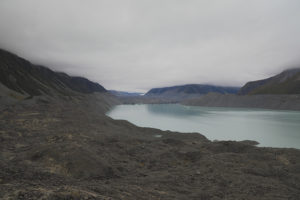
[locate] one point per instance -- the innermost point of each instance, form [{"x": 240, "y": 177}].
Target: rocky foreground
[{"x": 68, "y": 149}]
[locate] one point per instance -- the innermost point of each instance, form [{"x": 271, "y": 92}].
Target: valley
[{"x": 57, "y": 143}]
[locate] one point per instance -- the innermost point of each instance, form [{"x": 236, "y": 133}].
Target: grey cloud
[{"x": 135, "y": 45}]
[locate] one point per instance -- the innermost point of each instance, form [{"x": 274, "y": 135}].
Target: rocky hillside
[
  {"x": 287, "y": 82},
  {"x": 275, "y": 102},
  {"x": 20, "y": 78},
  {"x": 191, "y": 90},
  {"x": 61, "y": 150}
]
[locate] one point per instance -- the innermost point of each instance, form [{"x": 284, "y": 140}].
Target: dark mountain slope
[
  {"x": 287, "y": 82},
  {"x": 25, "y": 78},
  {"x": 190, "y": 90}
]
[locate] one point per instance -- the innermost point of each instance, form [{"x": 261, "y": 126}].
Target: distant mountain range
[
  {"x": 190, "y": 90},
  {"x": 125, "y": 94},
  {"x": 22, "y": 77},
  {"x": 278, "y": 92},
  {"x": 287, "y": 82},
  {"x": 19, "y": 79}
]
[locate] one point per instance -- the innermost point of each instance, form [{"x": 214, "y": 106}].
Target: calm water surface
[{"x": 269, "y": 127}]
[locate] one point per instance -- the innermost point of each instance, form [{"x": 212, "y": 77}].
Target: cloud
[{"x": 135, "y": 45}]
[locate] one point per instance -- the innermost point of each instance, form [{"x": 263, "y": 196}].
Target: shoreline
[
  {"x": 210, "y": 133},
  {"x": 47, "y": 147},
  {"x": 273, "y": 102}
]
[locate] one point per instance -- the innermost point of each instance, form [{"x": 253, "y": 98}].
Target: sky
[{"x": 136, "y": 45}]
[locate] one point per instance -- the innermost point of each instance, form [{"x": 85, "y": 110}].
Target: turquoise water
[{"x": 269, "y": 127}]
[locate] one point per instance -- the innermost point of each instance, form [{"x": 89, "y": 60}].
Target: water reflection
[
  {"x": 268, "y": 127},
  {"x": 175, "y": 110}
]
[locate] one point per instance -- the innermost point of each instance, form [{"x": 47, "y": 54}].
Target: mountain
[
  {"x": 190, "y": 90},
  {"x": 125, "y": 94},
  {"x": 20, "y": 77},
  {"x": 287, "y": 82},
  {"x": 56, "y": 148}
]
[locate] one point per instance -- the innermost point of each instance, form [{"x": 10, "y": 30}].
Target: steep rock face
[
  {"x": 191, "y": 90},
  {"x": 287, "y": 82},
  {"x": 28, "y": 79}
]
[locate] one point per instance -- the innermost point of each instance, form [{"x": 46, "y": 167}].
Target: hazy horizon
[{"x": 137, "y": 45}]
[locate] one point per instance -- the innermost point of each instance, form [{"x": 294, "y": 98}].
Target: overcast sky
[{"x": 140, "y": 44}]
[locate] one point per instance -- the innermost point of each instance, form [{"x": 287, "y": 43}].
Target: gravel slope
[{"x": 68, "y": 149}]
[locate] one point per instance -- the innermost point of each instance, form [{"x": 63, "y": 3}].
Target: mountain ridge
[
  {"x": 20, "y": 75},
  {"x": 189, "y": 91},
  {"x": 286, "y": 82}
]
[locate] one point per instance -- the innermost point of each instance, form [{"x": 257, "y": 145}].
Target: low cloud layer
[{"x": 135, "y": 45}]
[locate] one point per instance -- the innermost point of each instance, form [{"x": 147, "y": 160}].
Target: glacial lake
[{"x": 271, "y": 128}]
